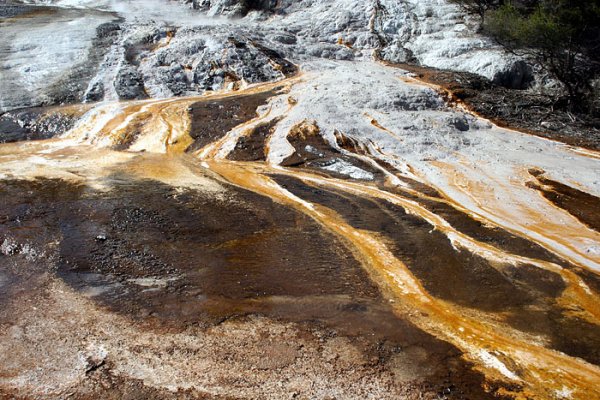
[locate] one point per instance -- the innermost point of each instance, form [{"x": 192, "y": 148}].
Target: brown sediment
[
  {"x": 589, "y": 278},
  {"x": 253, "y": 146},
  {"x": 444, "y": 272},
  {"x": 577, "y": 291},
  {"x": 463, "y": 222},
  {"x": 509, "y": 108},
  {"x": 532, "y": 362},
  {"x": 583, "y": 206},
  {"x": 570, "y": 335},
  {"x": 482, "y": 232},
  {"x": 230, "y": 251},
  {"x": 277, "y": 246},
  {"x": 313, "y": 152},
  {"x": 170, "y": 260},
  {"x": 140, "y": 260},
  {"x": 460, "y": 276},
  {"x": 211, "y": 120}
]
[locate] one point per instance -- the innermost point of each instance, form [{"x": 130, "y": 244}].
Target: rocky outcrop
[
  {"x": 35, "y": 124},
  {"x": 176, "y": 62},
  {"x": 430, "y": 32},
  {"x": 130, "y": 84},
  {"x": 225, "y": 44},
  {"x": 518, "y": 75},
  {"x": 232, "y": 8}
]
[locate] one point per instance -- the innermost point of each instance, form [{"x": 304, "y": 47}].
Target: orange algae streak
[
  {"x": 377, "y": 125},
  {"x": 501, "y": 352},
  {"x": 498, "y": 351},
  {"x": 577, "y": 291},
  {"x": 539, "y": 220},
  {"x": 160, "y": 126}
]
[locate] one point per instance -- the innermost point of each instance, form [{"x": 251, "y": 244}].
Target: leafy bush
[{"x": 562, "y": 36}]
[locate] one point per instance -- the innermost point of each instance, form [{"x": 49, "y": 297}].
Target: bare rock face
[
  {"x": 175, "y": 62},
  {"x": 162, "y": 49},
  {"x": 130, "y": 84},
  {"x": 34, "y": 124},
  {"x": 233, "y": 8},
  {"x": 518, "y": 75}
]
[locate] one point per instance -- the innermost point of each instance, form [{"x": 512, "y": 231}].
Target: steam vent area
[{"x": 289, "y": 199}]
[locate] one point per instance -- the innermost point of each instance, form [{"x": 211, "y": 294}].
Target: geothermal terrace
[{"x": 313, "y": 222}]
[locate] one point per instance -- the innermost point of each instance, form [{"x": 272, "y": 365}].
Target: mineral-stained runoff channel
[{"x": 319, "y": 237}]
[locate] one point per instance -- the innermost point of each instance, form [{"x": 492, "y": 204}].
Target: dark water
[
  {"x": 526, "y": 294},
  {"x": 207, "y": 259}
]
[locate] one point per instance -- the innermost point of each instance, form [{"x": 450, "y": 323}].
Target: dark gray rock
[
  {"x": 176, "y": 79},
  {"x": 34, "y": 124},
  {"x": 460, "y": 123},
  {"x": 518, "y": 76},
  {"x": 130, "y": 84},
  {"x": 284, "y": 38},
  {"x": 94, "y": 93},
  {"x": 14, "y": 10},
  {"x": 107, "y": 30},
  {"x": 233, "y": 8},
  {"x": 208, "y": 59}
]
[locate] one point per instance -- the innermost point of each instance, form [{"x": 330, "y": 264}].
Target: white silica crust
[
  {"x": 173, "y": 50},
  {"x": 36, "y": 53},
  {"x": 482, "y": 167},
  {"x": 441, "y": 36}
]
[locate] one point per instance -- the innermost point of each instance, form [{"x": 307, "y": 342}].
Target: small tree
[
  {"x": 478, "y": 7},
  {"x": 561, "y": 36}
]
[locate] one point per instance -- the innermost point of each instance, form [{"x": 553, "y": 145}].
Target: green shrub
[{"x": 562, "y": 36}]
